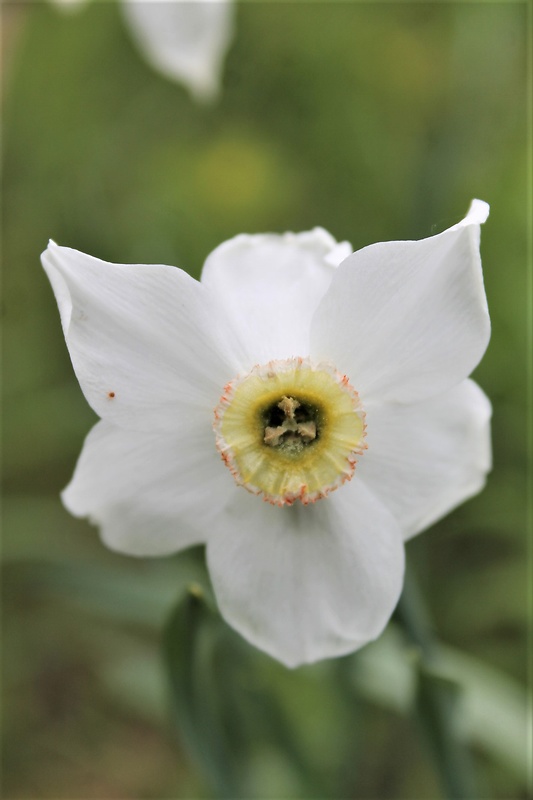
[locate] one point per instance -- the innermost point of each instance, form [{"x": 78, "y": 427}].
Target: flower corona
[{"x": 290, "y": 430}]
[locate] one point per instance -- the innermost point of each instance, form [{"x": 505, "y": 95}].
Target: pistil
[{"x": 293, "y": 432}]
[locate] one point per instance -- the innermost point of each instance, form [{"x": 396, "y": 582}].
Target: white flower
[
  {"x": 333, "y": 385},
  {"x": 185, "y": 40}
]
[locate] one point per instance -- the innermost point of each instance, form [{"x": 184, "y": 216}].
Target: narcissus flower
[
  {"x": 302, "y": 410},
  {"x": 185, "y": 40}
]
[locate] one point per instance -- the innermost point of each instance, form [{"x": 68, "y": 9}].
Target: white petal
[
  {"x": 186, "y": 40},
  {"x": 307, "y": 582},
  {"x": 271, "y": 286},
  {"x": 147, "y": 343},
  {"x": 407, "y": 320},
  {"x": 423, "y": 460},
  {"x": 151, "y": 495}
]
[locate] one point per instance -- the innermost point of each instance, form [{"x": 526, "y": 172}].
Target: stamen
[
  {"x": 288, "y": 405},
  {"x": 292, "y": 429}
]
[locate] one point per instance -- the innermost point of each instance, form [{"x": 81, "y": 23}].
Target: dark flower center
[{"x": 290, "y": 425}]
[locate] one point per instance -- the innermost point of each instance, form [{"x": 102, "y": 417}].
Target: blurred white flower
[
  {"x": 186, "y": 40},
  {"x": 331, "y": 385}
]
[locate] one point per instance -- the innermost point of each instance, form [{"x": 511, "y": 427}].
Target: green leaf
[
  {"x": 494, "y": 709},
  {"x": 436, "y": 698},
  {"x": 491, "y": 709},
  {"x": 222, "y": 704},
  {"x": 189, "y": 649},
  {"x": 437, "y": 703},
  {"x": 132, "y": 592}
]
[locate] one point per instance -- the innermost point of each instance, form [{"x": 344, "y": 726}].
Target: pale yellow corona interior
[{"x": 290, "y": 430}]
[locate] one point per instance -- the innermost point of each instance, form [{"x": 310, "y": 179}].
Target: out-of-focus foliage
[{"x": 376, "y": 121}]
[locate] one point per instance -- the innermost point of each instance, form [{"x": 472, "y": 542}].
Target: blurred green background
[{"x": 376, "y": 121}]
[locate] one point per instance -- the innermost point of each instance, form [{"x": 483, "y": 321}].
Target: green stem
[{"x": 437, "y": 699}]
